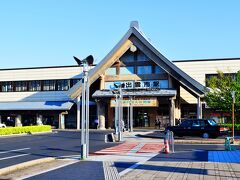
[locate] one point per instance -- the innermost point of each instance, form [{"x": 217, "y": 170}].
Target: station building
[{"x": 153, "y": 86}]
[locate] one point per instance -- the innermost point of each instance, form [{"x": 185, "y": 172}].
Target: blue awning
[{"x": 45, "y": 105}]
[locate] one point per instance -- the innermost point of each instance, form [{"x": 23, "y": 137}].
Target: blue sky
[{"x": 49, "y": 32}]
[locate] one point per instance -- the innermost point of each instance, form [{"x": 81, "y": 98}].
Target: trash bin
[{"x": 109, "y": 138}]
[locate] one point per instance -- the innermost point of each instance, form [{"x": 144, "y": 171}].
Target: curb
[
  {"x": 221, "y": 141},
  {"x": 27, "y": 164},
  {"x": 26, "y": 134}
]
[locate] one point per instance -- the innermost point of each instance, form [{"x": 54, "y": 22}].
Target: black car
[{"x": 198, "y": 127}]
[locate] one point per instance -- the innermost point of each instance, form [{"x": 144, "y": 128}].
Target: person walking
[
  {"x": 156, "y": 123},
  {"x": 159, "y": 124}
]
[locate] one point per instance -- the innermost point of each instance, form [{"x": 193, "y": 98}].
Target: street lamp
[
  {"x": 117, "y": 90},
  {"x": 233, "y": 102},
  {"x": 85, "y": 105}
]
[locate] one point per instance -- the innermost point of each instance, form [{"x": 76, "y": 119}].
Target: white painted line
[
  {"x": 136, "y": 148},
  {"x": 45, "y": 171},
  {"x": 136, "y": 165},
  {"x": 10, "y": 157},
  {"x": 14, "y": 150}
]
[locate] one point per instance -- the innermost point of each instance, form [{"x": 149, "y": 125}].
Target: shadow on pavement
[{"x": 186, "y": 156}]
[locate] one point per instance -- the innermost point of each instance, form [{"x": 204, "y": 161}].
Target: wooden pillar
[
  {"x": 199, "y": 108},
  {"x": 171, "y": 111},
  {"x": 18, "y": 120},
  {"x": 39, "y": 119},
  {"x": 62, "y": 120},
  {"x": 101, "y": 115},
  {"x": 178, "y": 104},
  {"x": 102, "y": 82},
  {"x": 110, "y": 116}
]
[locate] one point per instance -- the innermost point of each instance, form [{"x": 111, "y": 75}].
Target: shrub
[{"x": 24, "y": 129}]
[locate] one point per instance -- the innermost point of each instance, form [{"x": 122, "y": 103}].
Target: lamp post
[
  {"x": 117, "y": 90},
  {"x": 85, "y": 105},
  {"x": 131, "y": 114},
  {"x": 233, "y": 102}
]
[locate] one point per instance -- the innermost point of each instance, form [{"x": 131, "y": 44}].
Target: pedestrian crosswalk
[
  {"x": 151, "y": 148},
  {"x": 119, "y": 149},
  {"x": 128, "y": 146}
]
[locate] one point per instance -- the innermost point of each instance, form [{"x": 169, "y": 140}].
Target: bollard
[
  {"x": 166, "y": 147},
  {"x": 169, "y": 139},
  {"x": 227, "y": 144},
  {"x": 172, "y": 140}
]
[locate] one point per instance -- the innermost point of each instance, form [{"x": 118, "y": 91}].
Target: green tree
[{"x": 219, "y": 92}]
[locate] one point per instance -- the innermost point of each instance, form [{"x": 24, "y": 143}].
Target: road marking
[
  {"x": 50, "y": 169},
  {"x": 137, "y": 164},
  {"x": 151, "y": 148},
  {"x": 119, "y": 149},
  {"x": 14, "y": 150},
  {"x": 10, "y": 157}
]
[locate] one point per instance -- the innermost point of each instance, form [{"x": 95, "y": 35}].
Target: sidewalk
[
  {"x": 180, "y": 165},
  {"x": 184, "y": 170}
]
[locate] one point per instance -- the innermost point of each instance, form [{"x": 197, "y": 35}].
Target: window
[
  {"x": 142, "y": 57},
  {"x": 212, "y": 122},
  {"x": 75, "y": 81},
  {"x": 21, "y": 86},
  {"x": 164, "y": 84},
  {"x": 144, "y": 70},
  {"x": 127, "y": 70},
  {"x": 34, "y": 85},
  {"x": 49, "y": 85},
  {"x": 186, "y": 123},
  {"x": 7, "y": 86},
  {"x": 127, "y": 57},
  {"x": 159, "y": 70},
  {"x": 62, "y": 85},
  {"x": 111, "y": 71}
]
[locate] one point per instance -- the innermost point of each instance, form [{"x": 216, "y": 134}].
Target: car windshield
[{"x": 212, "y": 122}]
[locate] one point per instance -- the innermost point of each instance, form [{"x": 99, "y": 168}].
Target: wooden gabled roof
[{"x": 136, "y": 37}]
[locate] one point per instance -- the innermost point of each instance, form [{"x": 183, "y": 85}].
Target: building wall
[
  {"x": 40, "y": 73},
  {"x": 197, "y": 69},
  {"x": 48, "y": 73}
]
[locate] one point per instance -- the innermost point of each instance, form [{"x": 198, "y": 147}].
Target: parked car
[
  {"x": 2, "y": 125},
  {"x": 198, "y": 127}
]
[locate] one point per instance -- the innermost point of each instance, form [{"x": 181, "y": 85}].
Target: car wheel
[{"x": 205, "y": 135}]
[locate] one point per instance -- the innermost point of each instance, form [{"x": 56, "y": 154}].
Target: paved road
[{"x": 14, "y": 150}]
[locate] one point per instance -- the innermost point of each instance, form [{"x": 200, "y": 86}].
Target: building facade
[
  {"x": 150, "y": 83},
  {"x": 30, "y": 96},
  {"x": 153, "y": 88},
  {"x": 201, "y": 70}
]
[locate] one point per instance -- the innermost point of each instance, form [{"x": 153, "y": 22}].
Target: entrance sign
[
  {"x": 135, "y": 84},
  {"x": 138, "y": 102}
]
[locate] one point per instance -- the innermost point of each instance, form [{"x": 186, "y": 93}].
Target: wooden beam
[{"x": 96, "y": 72}]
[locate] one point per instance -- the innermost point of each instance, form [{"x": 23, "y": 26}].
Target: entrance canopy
[
  {"x": 45, "y": 105},
  {"x": 136, "y": 93}
]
